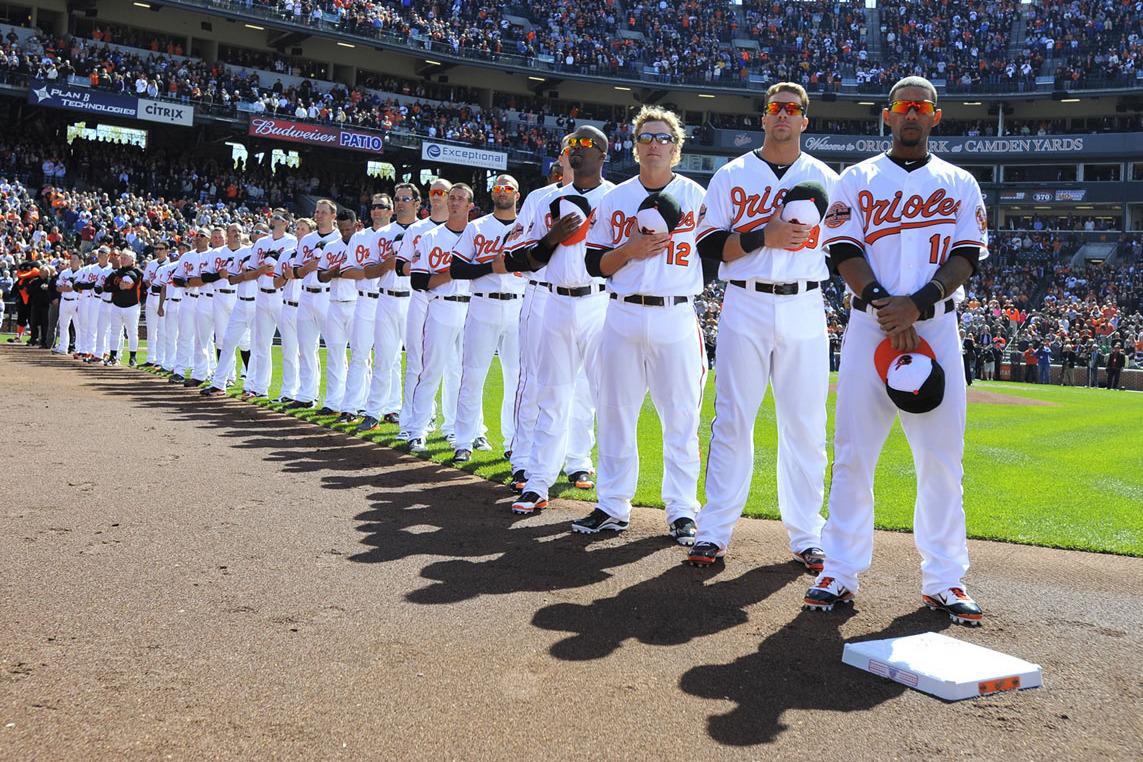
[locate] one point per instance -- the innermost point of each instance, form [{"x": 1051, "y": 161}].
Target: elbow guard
[
  {"x": 710, "y": 247},
  {"x": 419, "y": 281}
]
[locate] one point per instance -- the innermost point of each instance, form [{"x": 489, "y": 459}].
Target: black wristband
[
  {"x": 541, "y": 252},
  {"x": 755, "y": 239},
  {"x": 927, "y": 296},
  {"x": 874, "y": 291}
]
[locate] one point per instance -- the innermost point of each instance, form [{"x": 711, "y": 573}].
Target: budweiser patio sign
[{"x": 293, "y": 132}]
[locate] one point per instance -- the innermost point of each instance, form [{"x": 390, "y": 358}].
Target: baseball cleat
[
  {"x": 247, "y": 396},
  {"x": 812, "y": 558},
  {"x": 193, "y": 382},
  {"x": 481, "y": 443},
  {"x": 391, "y": 418},
  {"x": 529, "y": 503},
  {"x": 176, "y": 379},
  {"x": 582, "y": 480},
  {"x": 368, "y": 424},
  {"x": 825, "y": 595},
  {"x": 417, "y": 445},
  {"x": 683, "y": 530},
  {"x": 326, "y": 410},
  {"x": 519, "y": 480},
  {"x": 597, "y": 521},
  {"x": 958, "y": 604},
  {"x": 347, "y": 418},
  {"x": 147, "y": 364},
  {"x": 704, "y": 554},
  {"x": 212, "y": 391},
  {"x": 403, "y": 436},
  {"x": 461, "y": 456}
]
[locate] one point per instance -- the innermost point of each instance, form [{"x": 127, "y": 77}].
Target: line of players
[{"x": 586, "y": 296}]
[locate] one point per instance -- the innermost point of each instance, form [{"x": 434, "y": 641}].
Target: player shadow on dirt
[
  {"x": 697, "y": 609},
  {"x": 797, "y": 667}
]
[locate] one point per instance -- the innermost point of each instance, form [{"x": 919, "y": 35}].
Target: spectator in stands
[
  {"x": 1115, "y": 363},
  {"x": 1044, "y": 364}
]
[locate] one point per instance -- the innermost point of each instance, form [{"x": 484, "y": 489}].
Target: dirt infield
[{"x": 190, "y": 578}]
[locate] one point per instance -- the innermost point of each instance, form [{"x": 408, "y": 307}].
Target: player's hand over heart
[
  {"x": 896, "y": 313},
  {"x": 781, "y": 234},
  {"x": 646, "y": 245},
  {"x": 562, "y": 229},
  {"x": 498, "y": 265},
  {"x": 906, "y": 340}
]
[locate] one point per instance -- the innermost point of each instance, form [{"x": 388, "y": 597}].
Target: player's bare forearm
[
  {"x": 354, "y": 274},
  {"x": 954, "y": 273},
  {"x": 857, "y": 274},
  {"x": 439, "y": 279}
]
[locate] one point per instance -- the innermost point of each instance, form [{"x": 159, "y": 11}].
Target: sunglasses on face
[
  {"x": 503, "y": 189},
  {"x": 923, "y": 108},
  {"x": 380, "y": 206},
  {"x": 581, "y": 143},
  {"x": 662, "y": 138},
  {"x": 437, "y": 192},
  {"x": 773, "y": 108},
  {"x": 405, "y": 199}
]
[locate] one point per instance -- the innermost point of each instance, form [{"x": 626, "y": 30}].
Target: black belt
[
  {"x": 928, "y": 313},
  {"x": 208, "y": 293},
  {"x": 156, "y": 289},
  {"x": 398, "y": 294},
  {"x": 313, "y": 290},
  {"x": 540, "y": 283},
  {"x": 456, "y": 298},
  {"x": 73, "y": 299},
  {"x": 225, "y": 291},
  {"x": 245, "y": 298},
  {"x": 781, "y": 289},
  {"x": 290, "y": 304},
  {"x": 176, "y": 301},
  {"x": 193, "y": 296},
  {"x": 652, "y": 301},
  {"x": 370, "y": 294},
  {"x": 502, "y": 296},
  {"x": 580, "y": 291},
  {"x": 268, "y": 290}
]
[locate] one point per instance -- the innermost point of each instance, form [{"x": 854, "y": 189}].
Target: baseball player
[
  {"x": 314, "y": 300},
  {"x": 643, "y": 242},
  {"x": 492, "y": 324},
  {"x": 339, "y": 268},
  {"x": 389, "y": 322},
  {"x": 206, "y": 276},
  {"x": 103, "y": 306},
  {"x": 125, "y": 289},
  {"x": 155, "y": 340},
  {"x": 906, "y": 230},
  {"x": 170, "y": 300},
  {"x": 242, "y": 273},
  {"x": 288, "y": 319},
  {"x": 268, "y": 252},
  {"x": 446, "y": 308},
  {"x": 69, "y": 304},
  {"x": 363, "y": 326},
  {"x": 772, "y": 331},
  {"x": 85, "y": 332},
  {"x": 224, "y": 296},
  {"x": 189, "y": 348},
  {"x": 407, "y": 256},
  {"x": 575, "y": 310}
]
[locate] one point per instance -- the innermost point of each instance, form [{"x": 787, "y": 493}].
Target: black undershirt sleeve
[
  {"x": 594, "y": 262},
  {"x": 402, "y": 268},
  {"x": 710, "y": 247},
  {"x": 517, "y": 261},
  {"x": 971, "y": 253},
  {"x": 419, "y": 281},
  {"x": 462, "y": 270},
  {"x": 210, "y": 277},
  {"x": 839, "y": 252}
]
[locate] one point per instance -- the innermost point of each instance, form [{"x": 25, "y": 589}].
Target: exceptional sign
[{"x": 466, "y": 155}]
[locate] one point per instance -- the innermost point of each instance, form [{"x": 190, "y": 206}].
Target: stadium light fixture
[
  {"x": 537, "y": 79},
  {"x": 432, "y": 62},
  {"x": 142, "y": 5},
  {"x": 972, "y": 103},
  {"x": 1069, "y": 100},
  {"x": 625, "y": 89},
  {"x": 866, "y": 103},
  {"x": 705, "y": 95},
  {"x": 346, "y": 45},
  {"x": 1041, "y": 207},
  {"x": 255, "y": 27}
]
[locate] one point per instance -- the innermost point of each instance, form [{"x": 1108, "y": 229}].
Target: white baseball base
[{"x": 945, "y": 667}]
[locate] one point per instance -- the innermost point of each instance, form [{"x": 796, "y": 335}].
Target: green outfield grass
[{"x": 1068, "y": 473}]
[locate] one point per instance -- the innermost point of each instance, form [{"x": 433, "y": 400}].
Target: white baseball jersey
[
  {"x": 241, "y": 260},
  {"x": 386, "y": 244},
  {"x": 483, "y": 240},
  {"x": 271, "y": 250},
  {"x": 341, "y": 253},
  {"x": 365, "y": 254},
  {"x": 86, "y": 276},
  {"x": 311, "y": 247},
  {"x": 68, "y": 277},
  {"x": 192, "y": 263},
  {"x": 149, "y": 271},
  {"x": 566, "y": 266},
  {"x": 675, "y": 272},
  {"x": 410, "y": 250},
  {"x": 522, "y": 231},
  {"x": 907, "y": 222},
  {"x": 214, "y": 261},
  {"x": 742, "y": 196},
  {"x": 101, "y": 276},
  {"x": 164, "y": 276},
  {"x": 434, "y": 255}
]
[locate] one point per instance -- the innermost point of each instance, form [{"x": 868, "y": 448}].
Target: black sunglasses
[{"x": 380, "y": 206}]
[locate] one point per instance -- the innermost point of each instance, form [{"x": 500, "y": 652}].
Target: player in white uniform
[
  {"x": 444, "y": 315},
  {"x": 575, "y": 310},
  {"x": 906, "y": 230},
  {"x": 407, "y": 257},
  {"x": 103, "y": 306},
  {"x": 363, "y": 326},
  {"x": 313, "y": 302},
  {"x": 85, "y": 332},
  {"x": 288, "y": 319},
  {"x": 269, "y": 251},
  {"x": 69, "y": 305},
  {"x": 389, "y": 322},
  {"x": 155, "y": 341},
  {"x": 170, "y": 302},
  {"x": 772, "y": 331},
  {"x": 492, "y": 325},
  {"x": 242, "y": 274},
  {"x": 340, "y": 269},
  {"x": 650, "y": 341},
  {"x": 189, "y": 349},
  {"x": 206, "y": 276},
  {"x": 222, "y": 295}
]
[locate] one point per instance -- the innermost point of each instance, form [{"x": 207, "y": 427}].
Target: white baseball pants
[
  {"x": 172, "y": 308},
  {"x": 238, "y": 326},
  {"x": 291, "y": 350},
  {"x": 124, "y": 319},
  {"x": 155, "y": 341},
  {"x": 440, "y": 334},
  {"x": 103, "y": 343},
  {"x": 88, "y": 321},
  {"x": 204, "y": 354},
  {"x": 389, "y": 324},
  {"x": 335, "y": 332},
  {"x": 69, "y": 316},
  {"x": 492, "y": 327},
  {"x": 267, "y": 312},
  {"x": 357, "y": 380},
  {"x": 778, "y": 340},
  {"x": 186, "y": 356},
  {"x": 311, "y": 316},
  {"x": 864, "y": 417},
  {"x": 414, "y": 339}
]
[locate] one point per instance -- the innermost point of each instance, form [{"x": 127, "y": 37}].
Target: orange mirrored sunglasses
[
  {"x": 923, "y": 108},
  {"x": 773, "y": 108},
  {"x": 503, "y": 189}
]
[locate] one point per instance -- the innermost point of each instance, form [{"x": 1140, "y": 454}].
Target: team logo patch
[
  {"x": 837, "y": 215},
  {"x": 517, "y": 231},
  {"x": 702, "y": 214},
  {"x": 981, "y": 219}
]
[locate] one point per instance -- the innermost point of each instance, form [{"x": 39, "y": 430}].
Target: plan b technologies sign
[
  {"x": 465, "y": 155},
  {"x": 315, "y": 134},
  {"x": 102, "y": 103}
]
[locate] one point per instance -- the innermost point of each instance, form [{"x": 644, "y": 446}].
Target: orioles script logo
[
  {"x": 754, "y": 205},
  {"x": 486, "y": 249},
  {"x": 878, "y": 212},
  {"x": 439, "y": 258},
  {"x": 622, "y": 226},
  {"x": 361, "y": 254}
]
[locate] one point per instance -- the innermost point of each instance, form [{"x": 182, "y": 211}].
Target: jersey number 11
[{"x": 938, "y": 249}]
